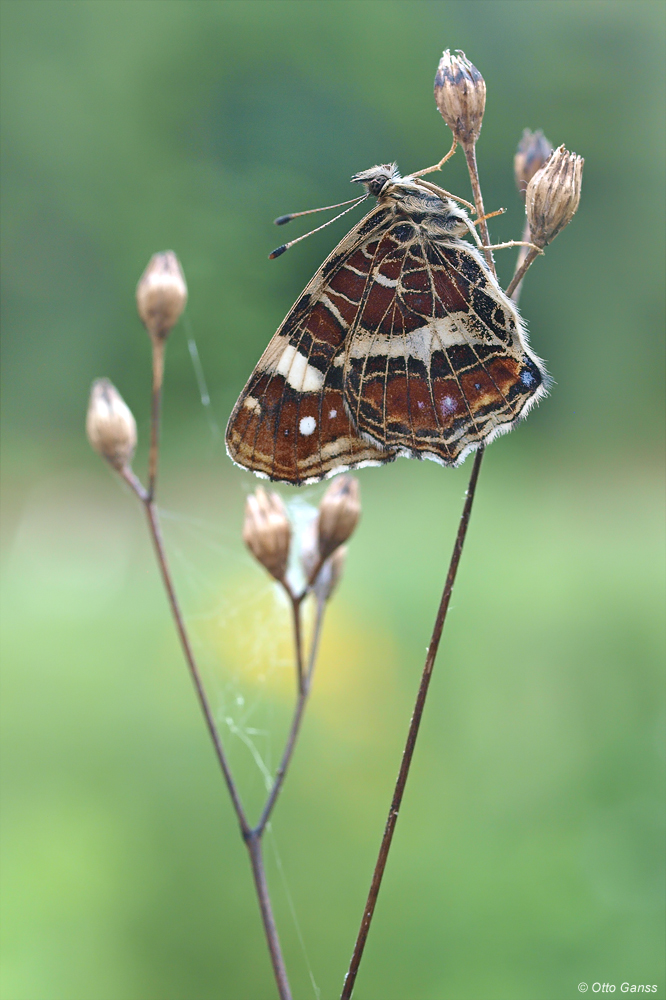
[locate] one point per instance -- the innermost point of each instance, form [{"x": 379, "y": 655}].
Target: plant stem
[
  {"x": 470, "y": 156},
  {"x": 298, "y": 642},
  {"x": 522, "y": 254},
  {"x": 296, "y": 721},
  {"x": 408, "y": 752},
  {"x": 158, "y": 377},
  {"x": 513, "y": 291},
  {"x": 350, "y": 978},
  {"x": 253, "y": 842},
  {"x": 251, "y": 838},
  {"x": 158, "y": 544}
]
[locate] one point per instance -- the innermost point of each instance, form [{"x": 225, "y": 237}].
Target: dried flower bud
[
  {"x": 110, "y": 426},
  {"x": 339, "y": 512},
  {"x": 267, "y": 531},
  {"x": 533, "y": 151},
  {"x": 330, "y": 574},
  {"x": 553, "y": 195},
  {"x": 460, "y": 93},
  {"x": 161, "y": 294}
]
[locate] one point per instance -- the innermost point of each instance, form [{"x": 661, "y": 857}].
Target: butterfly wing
[
  {"x": 437, "y": 362},
  {"x": 290, "y": 422}
]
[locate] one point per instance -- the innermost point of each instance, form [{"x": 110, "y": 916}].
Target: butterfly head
[
  {"x": 377, "y": 178},
  {"x": 439, "y": 216}
]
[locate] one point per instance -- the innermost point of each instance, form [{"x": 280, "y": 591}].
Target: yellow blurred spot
[{"x": 354, "y": 679}]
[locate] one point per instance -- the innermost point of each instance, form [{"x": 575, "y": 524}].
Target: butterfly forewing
[{"x": 290, "y": 422}]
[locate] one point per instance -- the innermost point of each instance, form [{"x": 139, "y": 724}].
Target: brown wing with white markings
[
  {"x": 437, "y": 362},
  {"x": 403, "y": 343},
  {"x": 290, "y": 422}
]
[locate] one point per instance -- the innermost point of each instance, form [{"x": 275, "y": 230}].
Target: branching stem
[{"x": 252, "y": 836}]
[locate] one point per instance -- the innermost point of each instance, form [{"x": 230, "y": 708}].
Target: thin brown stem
[
  {"x": 314, "y": 643},
  {"x": 281, "y": 772},
  {"x": 298, "y": 642},
  {"x": 256, "y": 858},
  {"x": 513, "y": 291},
  {"x": 522, "y": 254},
  {"x": 408, "y": 752},
  {"x": 134, "y": 482},
  {"x": 295, "y": 724},
  {"x": 250, "y": 837},
  {"x": 350, "y": 978},
  {"x": 156, "y": 535},
  {"x": 158, "y": 377},
  {"x": 470, "y": 156}
]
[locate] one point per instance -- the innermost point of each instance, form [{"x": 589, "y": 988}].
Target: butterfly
[{"x": 402, "y": 344}]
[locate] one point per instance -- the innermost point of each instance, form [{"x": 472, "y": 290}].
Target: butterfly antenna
[
  {"x": 282, "y": 219},
  {"x": 285, "y": 246}
]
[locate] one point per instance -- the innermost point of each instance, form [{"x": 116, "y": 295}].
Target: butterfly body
[{"x": 402, "y": 344}]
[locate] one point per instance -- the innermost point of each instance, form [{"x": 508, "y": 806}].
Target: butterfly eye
[{"x": 376, "y": 186}]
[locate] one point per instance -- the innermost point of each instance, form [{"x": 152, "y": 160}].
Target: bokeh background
[{"x": 527, "y": 857}]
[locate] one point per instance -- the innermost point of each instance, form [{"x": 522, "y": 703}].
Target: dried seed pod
[
  {"x": 460, "y": 94},
  {"x": 339, "y": 512},
  {"x": 110, "y": 426},
  {"x": 267, "y": 531},
  {"x": 553, "y": 195},
  {"x": 161, "y": 294},
  {"x": 533, "y": 151}
]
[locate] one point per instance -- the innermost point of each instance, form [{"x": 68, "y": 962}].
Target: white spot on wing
[
  {"x": 332, "y": 413},
  {"x": 307, "y": 425},
  {"x": 298, "y": 373},
  {"x": 251, "y": 403}
]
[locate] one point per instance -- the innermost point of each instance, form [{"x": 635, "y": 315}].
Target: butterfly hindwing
[{"x": 437, "y": 362}]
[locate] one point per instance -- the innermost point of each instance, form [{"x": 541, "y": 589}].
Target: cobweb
[{"x": 240, "y": 625}]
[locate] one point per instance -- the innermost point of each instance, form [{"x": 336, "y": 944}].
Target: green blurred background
[{"x": 527, "y": 857}]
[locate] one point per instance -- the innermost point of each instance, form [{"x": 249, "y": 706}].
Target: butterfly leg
[
  {"x": 438, "y": 166},
  {"x": 514, "y": 243},
  {"x": 436, "y": 189}
]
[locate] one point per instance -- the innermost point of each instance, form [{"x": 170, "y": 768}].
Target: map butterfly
[{"x": 402, "y": 344}]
